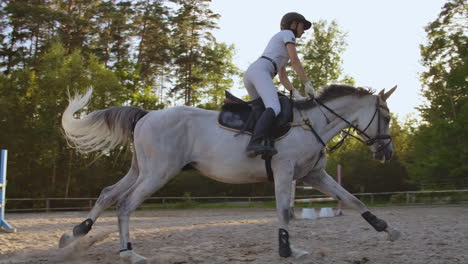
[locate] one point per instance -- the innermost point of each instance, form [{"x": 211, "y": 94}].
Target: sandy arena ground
[{"x": 430, "y": 235}]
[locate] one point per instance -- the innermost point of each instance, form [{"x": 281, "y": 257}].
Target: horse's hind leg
[
  {"x": 110, "y": 195},
  {"x": 107, "y": 198},
  {"x": 153, "y": 175},
  {"x": 326, "y": 184}
]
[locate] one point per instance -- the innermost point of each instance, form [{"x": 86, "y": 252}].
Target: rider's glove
[
  {"x": 297, "y": 95},
  {"x": 309, "y": 88}
]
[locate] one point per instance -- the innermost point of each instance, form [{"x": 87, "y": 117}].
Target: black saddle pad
[{"x": 240, "y": 116}]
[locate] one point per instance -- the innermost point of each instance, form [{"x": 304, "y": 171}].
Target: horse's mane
[{"x": 334, "y": 91}]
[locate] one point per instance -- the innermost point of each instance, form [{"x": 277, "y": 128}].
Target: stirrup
[{"x": 255, "y": 150}]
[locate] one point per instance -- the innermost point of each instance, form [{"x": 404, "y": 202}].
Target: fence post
[
  {"x": 339, "y": 211},
  {"x": 47, "y": 205},
  {"x": 372, "y": 199}
]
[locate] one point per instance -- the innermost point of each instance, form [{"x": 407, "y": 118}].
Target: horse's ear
[
  {"x": 382, "y": 93},
  {"x": 386, "y": 95}
]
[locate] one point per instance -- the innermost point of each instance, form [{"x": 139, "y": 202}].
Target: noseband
[{"x": 369, "y": 140}]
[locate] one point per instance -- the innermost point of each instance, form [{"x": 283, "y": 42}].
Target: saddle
[{"x": 240, "y": 116}]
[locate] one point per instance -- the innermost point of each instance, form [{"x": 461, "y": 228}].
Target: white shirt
[{"x": 276, "y": 48}]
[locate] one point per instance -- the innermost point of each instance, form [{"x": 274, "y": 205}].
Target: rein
[{"x": 306, "y": 122}]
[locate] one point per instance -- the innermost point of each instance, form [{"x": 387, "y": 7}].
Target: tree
[
  {"x": 154, "y": 47},
  {"x": 217, "y": 71},
  {"x": 112, "y": 31},
  {"x": 441, "y": 150},
  {"x": 191, "y": 25},
  {"x": 321, "y": 55},
  {"x": 445, "y": 57},
  {"x": 28, "y": 24}
]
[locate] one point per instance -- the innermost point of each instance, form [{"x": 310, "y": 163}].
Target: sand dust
[{"x": 430, "y": 235}]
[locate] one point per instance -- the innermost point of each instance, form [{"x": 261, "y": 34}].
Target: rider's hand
[
  {"x": 309, "y": 88},
  {"x": 297, "y": 95}
]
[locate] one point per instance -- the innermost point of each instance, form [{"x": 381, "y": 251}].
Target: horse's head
[{"x": 376, "y": 132}]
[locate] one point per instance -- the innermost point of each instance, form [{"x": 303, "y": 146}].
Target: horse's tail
[{"x": 100, "y": 130}]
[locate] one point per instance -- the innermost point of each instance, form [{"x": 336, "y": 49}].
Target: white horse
[{"x": 166, "y": 140}]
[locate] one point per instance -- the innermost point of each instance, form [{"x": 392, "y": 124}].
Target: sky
[{"x": 383, "y": 38}]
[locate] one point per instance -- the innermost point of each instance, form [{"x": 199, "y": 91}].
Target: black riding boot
[{"x": 260, "y": 135}]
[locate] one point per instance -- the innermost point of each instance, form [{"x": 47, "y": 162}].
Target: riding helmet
[{"x": 290, "y": 17}]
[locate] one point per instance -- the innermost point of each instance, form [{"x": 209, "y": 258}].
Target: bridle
[{"x": 362, "y": 132}]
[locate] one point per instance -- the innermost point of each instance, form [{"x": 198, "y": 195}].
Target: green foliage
[
  {"x": 322, "y": 55},
  {"x": 217, "y": 68},
  {"x": 363, "y": 174},
  {"x": 439, "y": 157},
  {"x": 34, "y": 100},
  {"x": 398, "y": 198},
  {"x": 192, "y": 50},
  {"x": 124, "y": 50}
]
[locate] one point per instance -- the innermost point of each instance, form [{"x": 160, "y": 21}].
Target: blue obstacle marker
[{"x": 4, "y": 226}]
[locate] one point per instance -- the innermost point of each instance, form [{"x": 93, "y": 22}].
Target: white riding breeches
[{"x": 258, "y": 80}]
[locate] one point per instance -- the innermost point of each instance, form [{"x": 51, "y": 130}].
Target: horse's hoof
[
  {"x": 285, "y": 252},
  {"x": 393, "y": 233},
  {"x": 298, "y": 254},
  {"x": 130, "y": 257},
  {"x": 7, "y": 230},
  {"x": 66, "y": 239}
]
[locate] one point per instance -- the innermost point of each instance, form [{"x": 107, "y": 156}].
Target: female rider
[{"x": 258, "y": 79}]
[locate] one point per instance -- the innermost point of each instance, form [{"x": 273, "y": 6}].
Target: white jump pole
[
  {"x": 4, "y": 226},
  {"x": 311, "y": 200},
  {"x": 305, "y": 187}
]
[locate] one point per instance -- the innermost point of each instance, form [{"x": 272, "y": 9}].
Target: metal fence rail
[{"x": 68, "y": 204}]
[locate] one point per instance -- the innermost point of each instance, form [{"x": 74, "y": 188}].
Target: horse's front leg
[
  {"x": 326, "y": 184},
  {"x": 283, "y": 175}
]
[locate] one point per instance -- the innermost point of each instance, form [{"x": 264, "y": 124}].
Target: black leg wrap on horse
[
  {"x": 83, "y": 228},
  {"x": 284, "y": 247},
  {"x": 129, "y": 247},
  {"x": 379, "y": 224}
]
